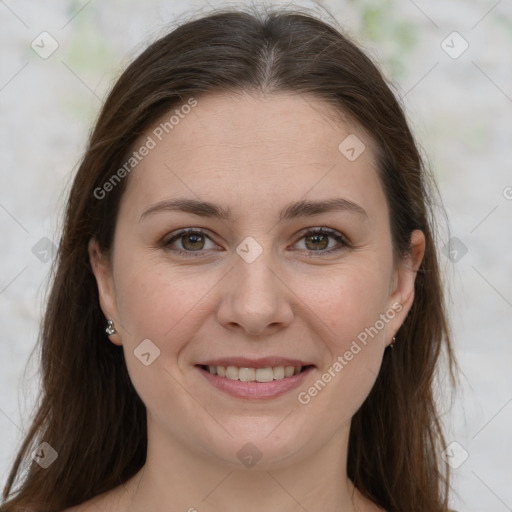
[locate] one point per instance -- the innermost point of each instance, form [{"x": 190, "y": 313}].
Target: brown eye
[
  {"x": 188, "y": 242},
  {"x": 192, "y": 242},
  {"x": 318, "y": 242}
]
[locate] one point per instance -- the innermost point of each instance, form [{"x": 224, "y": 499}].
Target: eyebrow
[{"x": 291, "y": 211}]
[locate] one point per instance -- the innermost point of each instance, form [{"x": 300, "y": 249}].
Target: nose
[{"x": 256, "y": 298}]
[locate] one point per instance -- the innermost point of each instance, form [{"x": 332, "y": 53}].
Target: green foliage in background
[{"x": 384, "y": 29}]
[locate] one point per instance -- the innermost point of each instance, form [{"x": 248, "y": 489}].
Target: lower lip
[{"x": 255, "y": 390}]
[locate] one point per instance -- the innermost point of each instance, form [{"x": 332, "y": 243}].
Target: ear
[
  {"x": 402, "y": 289},
  {"x": 102, "y": 270}
]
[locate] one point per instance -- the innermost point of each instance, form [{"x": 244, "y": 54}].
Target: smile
[
  {"x": 267, "y": 374},
  {"x": 256, "y": 382}
]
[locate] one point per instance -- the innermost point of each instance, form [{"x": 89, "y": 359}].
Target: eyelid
[
  {"x": 176, "y": 236},
  {"x": 342, "y": 240},
  {"x": 323, "y": 230}
]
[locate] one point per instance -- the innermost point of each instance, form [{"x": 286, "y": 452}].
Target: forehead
[{"x": 254, "y": 151}]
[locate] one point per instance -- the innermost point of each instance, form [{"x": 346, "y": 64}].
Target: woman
[{"x": 247, "y": 310}]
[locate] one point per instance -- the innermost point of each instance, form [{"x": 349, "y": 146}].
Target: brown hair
[{"x": 89, "y": 411}]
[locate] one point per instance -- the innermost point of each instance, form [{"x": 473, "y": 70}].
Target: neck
[{"x": 173, "y": 478}]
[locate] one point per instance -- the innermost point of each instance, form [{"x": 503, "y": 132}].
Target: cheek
[
  {"x": 158, "y": 302},
  {"x": 161, "y": 304},
  {"x": 351, "y": 302},
  {"x": 353, "y": 306},
  {"x": 170, "y": 305}
]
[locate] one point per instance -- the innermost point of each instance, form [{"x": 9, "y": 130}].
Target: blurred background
[{"x": 449, "y": 62}]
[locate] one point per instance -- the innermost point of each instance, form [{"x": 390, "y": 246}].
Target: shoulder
[
  {"x": 78, "y": 508},
  {"x": 117, "y": 499},
  {"x": 102, "y": 502},
  {"x": 87, "y": 506}
]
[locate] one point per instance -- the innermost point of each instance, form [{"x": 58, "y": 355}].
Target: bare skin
[{"x": 253, "y": 155}]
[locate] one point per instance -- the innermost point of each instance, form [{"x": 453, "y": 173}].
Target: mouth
[
  {"x": 255, "y": 380},
  {"x": 244, "y": 374}
]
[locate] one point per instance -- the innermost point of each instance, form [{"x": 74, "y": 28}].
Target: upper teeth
[{"x": 255, "y": 374}]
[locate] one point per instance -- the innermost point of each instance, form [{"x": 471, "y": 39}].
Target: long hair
[{"x": 89, "y": 411}]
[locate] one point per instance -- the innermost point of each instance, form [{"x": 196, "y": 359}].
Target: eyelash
[{"x": 342, "y": 241}]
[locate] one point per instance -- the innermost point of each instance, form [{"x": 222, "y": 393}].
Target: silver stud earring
[
  {"x": 110, "y": 328},
  {"x": 392, "y": 345}
]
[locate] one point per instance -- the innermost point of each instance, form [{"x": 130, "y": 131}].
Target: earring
[
  {"x": 393, "y": 339},
  {"x": 110, "y": 328}
]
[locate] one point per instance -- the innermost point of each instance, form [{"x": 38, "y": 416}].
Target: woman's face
[{"x": 251, "y": 286}]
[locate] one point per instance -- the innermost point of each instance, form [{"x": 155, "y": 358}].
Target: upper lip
[{"x": 263, "y": 362}]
